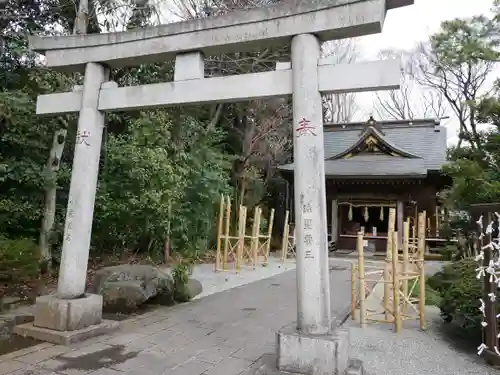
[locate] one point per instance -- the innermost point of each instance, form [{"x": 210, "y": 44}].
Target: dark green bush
[
  {"x": 18, "y": 259},
  {"x": 460, "y": 291},
  {"x": 449, "y": 252}
]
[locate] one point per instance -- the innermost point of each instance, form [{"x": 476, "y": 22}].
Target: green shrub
[
  {"x": 460, "y": 291},
  {"x": 449, "y": 252},
  {"x": 18, "y": 259},
  {"x": 180, "y": 274},
  {"x": 432, "y": 297}
]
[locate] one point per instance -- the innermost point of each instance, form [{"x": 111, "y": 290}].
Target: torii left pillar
[{"x": 71, "y": 314}]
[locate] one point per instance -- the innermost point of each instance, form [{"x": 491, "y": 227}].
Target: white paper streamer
[
  {"x": 491, "y": 271},
  {"x": 481, "y": 348}
]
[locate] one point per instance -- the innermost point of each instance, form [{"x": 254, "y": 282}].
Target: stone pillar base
[
  {"x": 63, "y": 321},
  {"x": 301, "y": 353}
]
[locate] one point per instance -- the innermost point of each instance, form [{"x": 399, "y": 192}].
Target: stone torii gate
[{"x": 312, "y": 347}]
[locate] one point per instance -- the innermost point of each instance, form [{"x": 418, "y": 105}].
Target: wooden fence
[{"x": 487, "y": 216}]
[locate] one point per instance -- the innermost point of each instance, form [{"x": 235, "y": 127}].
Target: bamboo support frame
[
  {"x": 361, "y": 268},
  {"x": 288, "y": 241},
  {"x": 421, "y": 267},
  {"x": 388, "y": 257},
  {"x": 400, "y": 275},
  {"x": 406, "y": 237},
  {"x": 354, "y": 291},
  {"x": 395, "y": 283},
  {"x": 234, "y": 249},
  {"x": 218, "y": 259}
]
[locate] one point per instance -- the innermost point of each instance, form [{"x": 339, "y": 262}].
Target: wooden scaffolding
[
  {"x": 237, "y": 249},
  {"x": 288, "y": 241},
  {"x": 401, "y": 274}
]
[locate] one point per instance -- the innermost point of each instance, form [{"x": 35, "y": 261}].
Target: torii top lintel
[{"x": 232, "y": 32}]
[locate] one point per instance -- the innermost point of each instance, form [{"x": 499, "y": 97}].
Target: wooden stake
[
  {"x": 241, "y": 237},
  {"x": 354, "y": 289},
  {"x": 406, "y": 238},
  {"x": 395, "y": 283},
  {"x": 269, "y": 236},
  {"x": 388, "y": 256},
  {"x": 421, "y": 266},
  {"x": 226, "y": 235},
  {"x": 255, "y": 253},
  {"x": 284, "y": 243},
  {"x": 361, "y": 276},
  {"x": 437, "y": 221},
  {"x": 219, "y": 234},
  {"x": 254, "y": 241}
]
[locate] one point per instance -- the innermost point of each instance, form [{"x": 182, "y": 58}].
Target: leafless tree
[
  {"x": 412, "y": 100},
  {"x": 262, "y": 127},
  {"x": 460, "y": 84},
  {"x": 340, "y": 108}
]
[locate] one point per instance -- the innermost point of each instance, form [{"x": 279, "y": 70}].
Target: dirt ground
[{"x": 28, "y": 290}]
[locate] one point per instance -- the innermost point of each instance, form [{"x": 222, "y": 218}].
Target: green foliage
[
  {"x": 466, "y": 41},
  {"x": 476, "y": 172},
  {"x": 472, "y": 183},
  {"x": 24, "y": 148},
  {"x": 162, "y": 172},
  {"x": 180, "y": 273},
  {"x": 18, "y": 259},
  {"x": 449, "y": 252},
  {"x": 460, "y": 291},
  {"x": 432, "y": 297},
  {"x": 471, "y": 46},
  {"x": 158, "y": 166}
]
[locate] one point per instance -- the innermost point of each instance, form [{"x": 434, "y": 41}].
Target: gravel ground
[{"x": 413, "y": 352}]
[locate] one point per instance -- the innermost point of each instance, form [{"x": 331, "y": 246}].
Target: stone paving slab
[{"x": 227, "y": 333}]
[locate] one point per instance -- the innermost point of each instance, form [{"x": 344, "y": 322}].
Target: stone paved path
[{"x": 228, "y": 333}]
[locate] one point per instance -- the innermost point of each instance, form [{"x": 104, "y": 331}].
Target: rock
[
  {"x": 186, "y": 292},
  {"x": 194, "y": 288},
  {"x": 126, "y": 287},
  {"x": 123, "y": 296}
]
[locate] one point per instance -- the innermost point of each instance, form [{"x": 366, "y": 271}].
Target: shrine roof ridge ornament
[{"x": 243, "y": 30}]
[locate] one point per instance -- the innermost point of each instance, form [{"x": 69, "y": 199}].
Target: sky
[
  {"x": 407, "y": 26},
  {"x": 404, "y": 28}
]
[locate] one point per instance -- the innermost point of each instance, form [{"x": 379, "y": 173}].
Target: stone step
[
  {"x": 10, "y": 303},
  {"x": 355, "y": 367},
  {"x": 11, "y": 319}
]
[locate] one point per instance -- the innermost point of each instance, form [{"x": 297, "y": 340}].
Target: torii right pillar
[{"x": 311, "y": 347}]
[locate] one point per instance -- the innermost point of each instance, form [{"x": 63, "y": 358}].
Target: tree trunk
[
  {"x": 243, "y": 186},
  {"x": 49, "y": 213},
  {"x": 58, "y": 142}
]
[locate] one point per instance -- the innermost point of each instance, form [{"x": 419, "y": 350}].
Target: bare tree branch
[
  {"x": 412, "y": 100},
  {"x": 340, "y": 107},
  {"x": 460, "y": 85},
  {"x": 262, "y": 128}
]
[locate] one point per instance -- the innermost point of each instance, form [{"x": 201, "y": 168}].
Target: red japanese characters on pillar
[
  {"x": 305, "y": 128},
  {"x": 83, "y": 137}
]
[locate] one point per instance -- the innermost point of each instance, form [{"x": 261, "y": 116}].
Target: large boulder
[{"x": 126, "y": 287}]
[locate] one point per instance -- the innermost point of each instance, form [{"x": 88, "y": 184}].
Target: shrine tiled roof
[
  {"x": 373, "y": 165},
  {"x": 390, "y": 149}
]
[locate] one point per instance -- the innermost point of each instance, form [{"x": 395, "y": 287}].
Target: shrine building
[{"x": 372, "y": 166}]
